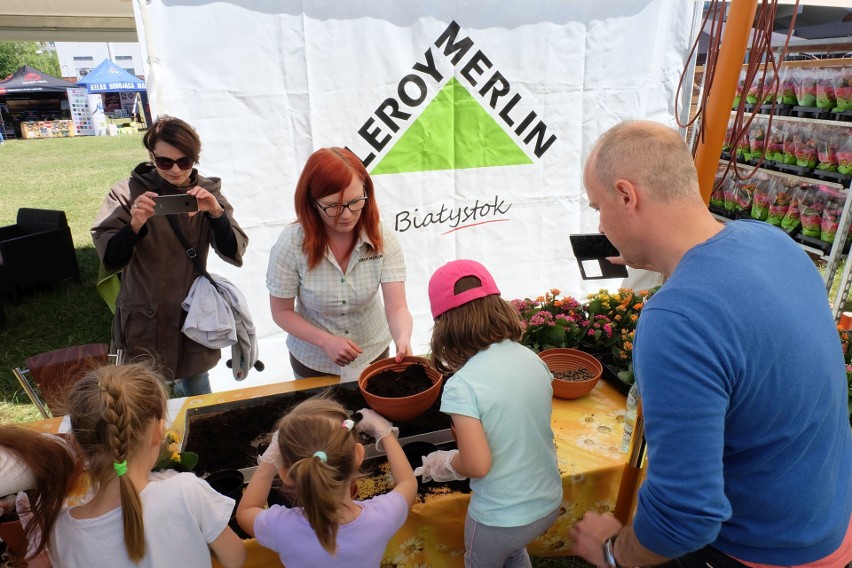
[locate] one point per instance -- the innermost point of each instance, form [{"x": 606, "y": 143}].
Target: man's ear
[{"x": 626, "y": 193}]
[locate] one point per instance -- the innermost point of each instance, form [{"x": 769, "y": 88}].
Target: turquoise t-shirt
[{"x": 507, "y": 388}]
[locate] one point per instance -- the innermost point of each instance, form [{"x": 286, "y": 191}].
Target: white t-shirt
[{"x": 182, "y": 514}]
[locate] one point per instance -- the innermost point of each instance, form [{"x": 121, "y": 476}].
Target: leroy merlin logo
[{"x": 454, "y": 130}]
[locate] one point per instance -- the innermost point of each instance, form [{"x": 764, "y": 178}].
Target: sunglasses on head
[{"x": 166, "y": 163}]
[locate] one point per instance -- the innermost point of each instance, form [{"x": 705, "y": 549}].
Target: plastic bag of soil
[
  {"x": 825, "y": 88},
  {"x": 757, "y": 138},
  {"x": 812, "y": 205},
  {"x": 791, "y": 134},
  {"x": 827, "y": 143},
  {"x": 739, "y": 195},
  {"x": 717, "y": 196},
  {"x": 792, "y": 220},
  {"x": 844, "y": 157},
  {"x": 775, "y": 143},
  {"x": 764, "y": 193},
  {"x": 831, "y": 216},
  {"x": 806, "y": 148},
  {"x": 780, "y": 202},
  {"x": 805, "y": 81},
  {"x": 744, "y": 147},
  {"x": 787, "y": 89},
  {"x": 843, "y": 89}
]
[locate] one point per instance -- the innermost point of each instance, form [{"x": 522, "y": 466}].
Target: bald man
[{"x": 741, "y": 374}]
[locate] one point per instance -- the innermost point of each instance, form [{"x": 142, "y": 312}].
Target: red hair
[{"x": 329, "y": 171}]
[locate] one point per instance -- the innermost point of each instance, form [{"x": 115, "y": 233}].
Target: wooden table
[{"x": 587, "y": 434}]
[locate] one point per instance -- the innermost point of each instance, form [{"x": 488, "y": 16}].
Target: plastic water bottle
[{"x": 630, "y": 416}]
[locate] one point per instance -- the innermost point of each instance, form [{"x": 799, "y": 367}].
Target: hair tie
[
  {"x": 348, "y": 424},
  {"x": 120, "y": 468},
  {"x": 321, "y": 455}
]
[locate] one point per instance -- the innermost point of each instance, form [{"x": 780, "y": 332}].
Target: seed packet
[
  {"x": 738, "y": 198},
  {"x": 825, "y": 88}
]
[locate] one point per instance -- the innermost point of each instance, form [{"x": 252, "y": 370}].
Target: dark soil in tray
[
  {"x": 397, "y": 384},
  {"x": 233, "y": 434}
]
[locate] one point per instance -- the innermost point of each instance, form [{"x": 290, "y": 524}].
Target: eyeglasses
[
  {"x": 337, "y": 210},
  {"x": 166, "y": 163}
]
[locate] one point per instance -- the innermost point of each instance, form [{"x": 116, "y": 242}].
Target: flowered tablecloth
[{"x": 587, "y": 433}]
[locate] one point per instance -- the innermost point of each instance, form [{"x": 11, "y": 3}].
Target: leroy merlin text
[
  {"x": 454, "y": 217},
  {"x": 412, "y": 91}
]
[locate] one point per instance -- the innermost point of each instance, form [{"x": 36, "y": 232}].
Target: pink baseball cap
[{"x": 443, "y": 282}]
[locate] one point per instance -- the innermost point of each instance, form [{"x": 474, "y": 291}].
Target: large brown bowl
[
  {"x": 565, "y": 359},
  {"x": 406, "y": 407}
]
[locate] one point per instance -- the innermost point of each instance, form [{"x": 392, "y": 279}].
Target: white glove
[
  {"x": 272, "y": 454},
  {"x": 375, "y": 425},
  {"x": 438, "y": 466}
]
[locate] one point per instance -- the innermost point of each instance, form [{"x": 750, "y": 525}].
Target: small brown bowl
[
  {"x": 406, "y": 407},
  {"x": 565, "y": 359}
]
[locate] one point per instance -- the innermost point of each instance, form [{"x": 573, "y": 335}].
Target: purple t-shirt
[{"x": 360, "y": 543}]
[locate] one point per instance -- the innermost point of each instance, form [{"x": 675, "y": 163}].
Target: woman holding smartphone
[
  {"x": 156, "y": 271},
  {"x": 327, "y": 269}
]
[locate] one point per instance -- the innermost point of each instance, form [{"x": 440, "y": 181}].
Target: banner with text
[{"x": 473, "y": 118}]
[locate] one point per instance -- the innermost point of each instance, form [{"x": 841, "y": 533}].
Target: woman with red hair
[{"x": 334, "y": 259}]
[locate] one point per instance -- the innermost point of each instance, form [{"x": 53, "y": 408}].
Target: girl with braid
[
  {"x": 117, "y": 417},
  {"x": 318, "y": 457}
]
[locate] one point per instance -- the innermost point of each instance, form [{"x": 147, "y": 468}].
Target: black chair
[{"x": 38, "y": 249}]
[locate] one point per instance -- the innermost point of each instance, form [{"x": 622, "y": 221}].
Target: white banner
[{"x": 474, "y": 119}]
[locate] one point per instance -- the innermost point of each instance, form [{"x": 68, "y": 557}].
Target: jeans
[
  {"x": 492, "y": 547},
  {"x": 193, "y": 385}
]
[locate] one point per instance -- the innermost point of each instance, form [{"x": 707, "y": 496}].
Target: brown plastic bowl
[
  {"x": 565, "y": 359},
  {"x": 402, "y": 408}
]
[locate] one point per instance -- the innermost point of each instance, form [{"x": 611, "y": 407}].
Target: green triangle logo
[{"x": 453, "y": 133}]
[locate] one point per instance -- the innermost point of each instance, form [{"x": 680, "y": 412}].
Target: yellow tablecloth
[{"x": 587, "y": 433}]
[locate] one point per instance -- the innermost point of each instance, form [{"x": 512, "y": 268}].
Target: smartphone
[
  {"x": 173, "y": 204},
  {"x": 591, "y": 251}
]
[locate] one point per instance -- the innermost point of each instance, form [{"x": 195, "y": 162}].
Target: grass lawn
[{"x": 74, "y": 175}]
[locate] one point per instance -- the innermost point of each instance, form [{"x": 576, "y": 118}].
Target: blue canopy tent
[{"x": 110, "y": 78}]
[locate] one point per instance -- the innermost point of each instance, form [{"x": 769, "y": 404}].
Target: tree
[{"x": 13, "y": 54}]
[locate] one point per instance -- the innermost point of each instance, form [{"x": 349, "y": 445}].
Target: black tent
[
  {"x": 30, "y": 80},
  {"x": 31, "y": 95}
]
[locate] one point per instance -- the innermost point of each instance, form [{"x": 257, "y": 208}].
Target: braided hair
[{"x": 111, "y": 409}]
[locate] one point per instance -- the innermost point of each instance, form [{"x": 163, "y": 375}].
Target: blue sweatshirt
[{"x": 744, "y": 395}]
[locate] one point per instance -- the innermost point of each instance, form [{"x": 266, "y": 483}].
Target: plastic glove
[
  {"x": 375, "y": 425},
  {"x": 438, "y": 466},
  {"x": 272, "y": 454}
]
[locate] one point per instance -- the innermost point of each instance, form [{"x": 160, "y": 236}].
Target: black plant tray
[
  {"x": 794, "y": 169},
  {"x": 225, "y": 435},
  {"x": 844, "y": 116},
  {"x": 814, "y": 242},
  {"x": 811, "y": 112},
  {"x": 610, "y": 373},
  {"x": 836, "y": 177}
]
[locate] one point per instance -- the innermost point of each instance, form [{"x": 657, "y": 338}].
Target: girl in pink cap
[{"x": 499, "y": 398}]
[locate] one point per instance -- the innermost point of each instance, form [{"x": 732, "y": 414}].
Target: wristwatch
[{"x": 608, "y": 552}]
